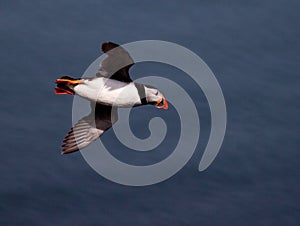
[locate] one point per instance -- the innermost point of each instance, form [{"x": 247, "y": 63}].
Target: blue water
[{"x": 253, "y": 49}]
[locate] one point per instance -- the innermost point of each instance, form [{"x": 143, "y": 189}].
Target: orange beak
[{"x": 162, "y": 104}]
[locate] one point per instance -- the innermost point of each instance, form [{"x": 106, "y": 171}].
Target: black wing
[
  {"x": 117, "y": 57},
  {"x": 89, "y": 128}
]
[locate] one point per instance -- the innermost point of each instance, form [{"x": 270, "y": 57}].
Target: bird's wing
[
  {"x": 89, "y": 128},
  {"x": 113, "y": 65}
]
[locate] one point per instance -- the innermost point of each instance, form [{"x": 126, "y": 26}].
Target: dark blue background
[{"x": 253, "y": 49}]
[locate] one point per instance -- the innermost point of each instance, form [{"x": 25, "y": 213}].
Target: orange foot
[
  {"x": 63, "y": 91},
  {"x": 69, "y": 81}
]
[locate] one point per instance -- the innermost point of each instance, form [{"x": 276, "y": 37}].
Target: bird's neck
[{"x": 142, "y": 93}]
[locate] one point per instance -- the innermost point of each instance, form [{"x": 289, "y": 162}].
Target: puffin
[{"x": 112, "y": 88}]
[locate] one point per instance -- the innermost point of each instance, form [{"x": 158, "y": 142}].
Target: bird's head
[{"x": 155, "y": 97}]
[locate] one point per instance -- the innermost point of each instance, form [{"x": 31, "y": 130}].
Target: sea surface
[{"x": 251, "y": 46}]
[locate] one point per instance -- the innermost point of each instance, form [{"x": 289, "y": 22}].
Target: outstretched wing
[
  {"x": 89, "y": 128},
  {"x": 113, "y": 65}
]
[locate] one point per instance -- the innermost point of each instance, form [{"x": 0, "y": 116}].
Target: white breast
[{"x": 109, "y": 92}]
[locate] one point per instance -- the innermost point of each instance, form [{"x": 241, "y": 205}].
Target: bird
[{"x": 112, "y": 88}]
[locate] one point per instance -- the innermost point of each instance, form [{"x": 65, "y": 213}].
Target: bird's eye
[{"x": 156, "y": 93}]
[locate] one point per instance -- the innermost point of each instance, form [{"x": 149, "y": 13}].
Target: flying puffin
[{"x": 112, "y": 88}]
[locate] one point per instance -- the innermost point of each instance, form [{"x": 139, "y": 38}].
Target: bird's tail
[{"x": 65, "y": 85}]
